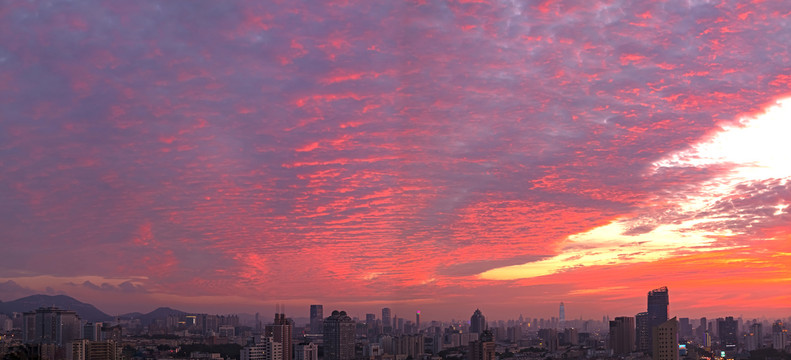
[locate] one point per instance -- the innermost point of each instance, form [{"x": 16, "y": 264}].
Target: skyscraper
[
  {"x": 281, "y": 332},
  {"x": 642, "y": 332},
  {"x": 779, "y": 336},
  {"x": 386, "y": 317},
  {"x": 477, "y": 322},
  {"x": 728, "y": 331},
  {"x": 658, "y": 301},
  {"x": 622, "y": 333},
  {"x": 263, "y": 348},
  {"x": 339, "y": 336},
  {"x": 665, "y": 340},
  {"x": 316, "y": 318},
  {"x": 562, "y": 315}
]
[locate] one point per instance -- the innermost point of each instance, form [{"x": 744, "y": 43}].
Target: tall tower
[
  {"x": 562, "y": 315},
  {"x": 665, "y": 340},
  {"x": 281, "y": 332},
  {"x": 417, "y": 321},
  {"x": 339, "y": 336},
  {"x": 622, "y": 334},
  {"x": 316, "y": 318},
  {"x": 477, "y": 322}
]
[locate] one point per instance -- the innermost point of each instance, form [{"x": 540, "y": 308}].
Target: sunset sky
[{"x": 442, "y": 156}]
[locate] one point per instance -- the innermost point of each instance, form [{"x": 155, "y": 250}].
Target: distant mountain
[
  {"x": 84, "y": 311},
  {"x": 160, "y": 313}
]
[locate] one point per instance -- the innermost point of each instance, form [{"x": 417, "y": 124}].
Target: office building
[
  {"x": 281, "y": 332},
  {"x": 316, "y": 318},
  {"x": 51, "y": 326},
  {"x": 263, "y": 348},
  {"x": 562, "y": 315},
  {"x": 658, "y": 301},
  {"x": 306, "y": 351},
  {"x": 642, "y": 332},
  {"x": 386, "y": 318},
  {"x": 622, "y": 335},
  {"x": 95, "y": 350},
  {"x": 477, "y": 322},
  {"x": 483, "y": 348},
  {"x": 665, "y": 341},
  {"x": 728, "y": 332},
  {"x": 339, "y": 336},
  {"x": 779, "y": 336}
]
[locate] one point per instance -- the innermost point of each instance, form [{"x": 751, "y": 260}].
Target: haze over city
[{"x": 438, "y": 156}]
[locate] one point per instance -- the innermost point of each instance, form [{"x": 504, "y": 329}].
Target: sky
[{"x": 442, "y": 156}]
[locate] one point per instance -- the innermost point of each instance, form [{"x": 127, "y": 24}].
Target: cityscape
[
  {"x": 51, "y": 333},
  {"x": 395, "y": 179}
]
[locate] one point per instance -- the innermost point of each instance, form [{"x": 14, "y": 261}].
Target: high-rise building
[
  {"x": 754, "y": 339},
  {"x": 339, "y": 336},
  {"x": 658, "y": 301},
  {"x": 549, "y": 338},
  {"x": 281, "y": 332},
  {"x": 477, "y": 322},
  {"x": 562, "y": 315},
  {"x": 728, "y": 332},
  {"x": 386, "y": 317},
  {"x": 779, "y": 336},
  {"x": 263, "y": 348},
  {"x": 51, "y": 326},
  {"x": 622, "y": 333},
  {"x": 316, "y": 317},
  {"x": 306, "y": 351},
  {"x": 483, "y": 348},
  {"x": 643, "y": 332},
  {"x": 665, "y": 341}
]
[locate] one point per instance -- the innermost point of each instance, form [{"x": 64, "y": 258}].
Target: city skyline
[{"x": 421, "y": 156}]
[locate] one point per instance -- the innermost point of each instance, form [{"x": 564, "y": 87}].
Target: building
[
  {"x": 417, "y": 321},
  {"x": 728, "y": 332},
  {"x": 665, "y": 341},
  {"x": 316, "y": 318},
  {"x": 338, "y": 334},
  {"x": 306, "y": 351},
  {"x": 477, "y": 322},
  {"x": 51, "y": 326},
  {"x": 754, "y": 339},
  {"x": 642, "y": 332},
  {"x": 549, "y": 338},
  {"x": 386, "y": 313},
  {"x": 281, "y": 331},
  {"x": 263, "y": 348},
  {"x": 658, "y": 301},
  {"x": 622, "y": 335},
  {"x": 562, "y": 315},
  {"x": 95, "y": 350},
  {"x": 779, "y": 336},
  {"x": 483, "y": 348}
]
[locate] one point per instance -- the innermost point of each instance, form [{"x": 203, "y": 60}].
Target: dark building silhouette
[
  {"x": 643, "y": 332},
  {"x": 339, "y": 336},
  {"x": 622, "y": 333},
  {"x": 477, "y": 322},
  {"x": 386, "y": 313},
  {"x": 316, "y": 318},
  {"x": 728, "y": 332},
  {"x": 658, "y": 301}
]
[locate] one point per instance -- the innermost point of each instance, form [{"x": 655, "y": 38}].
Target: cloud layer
[{"x": 411, "y": 153}]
